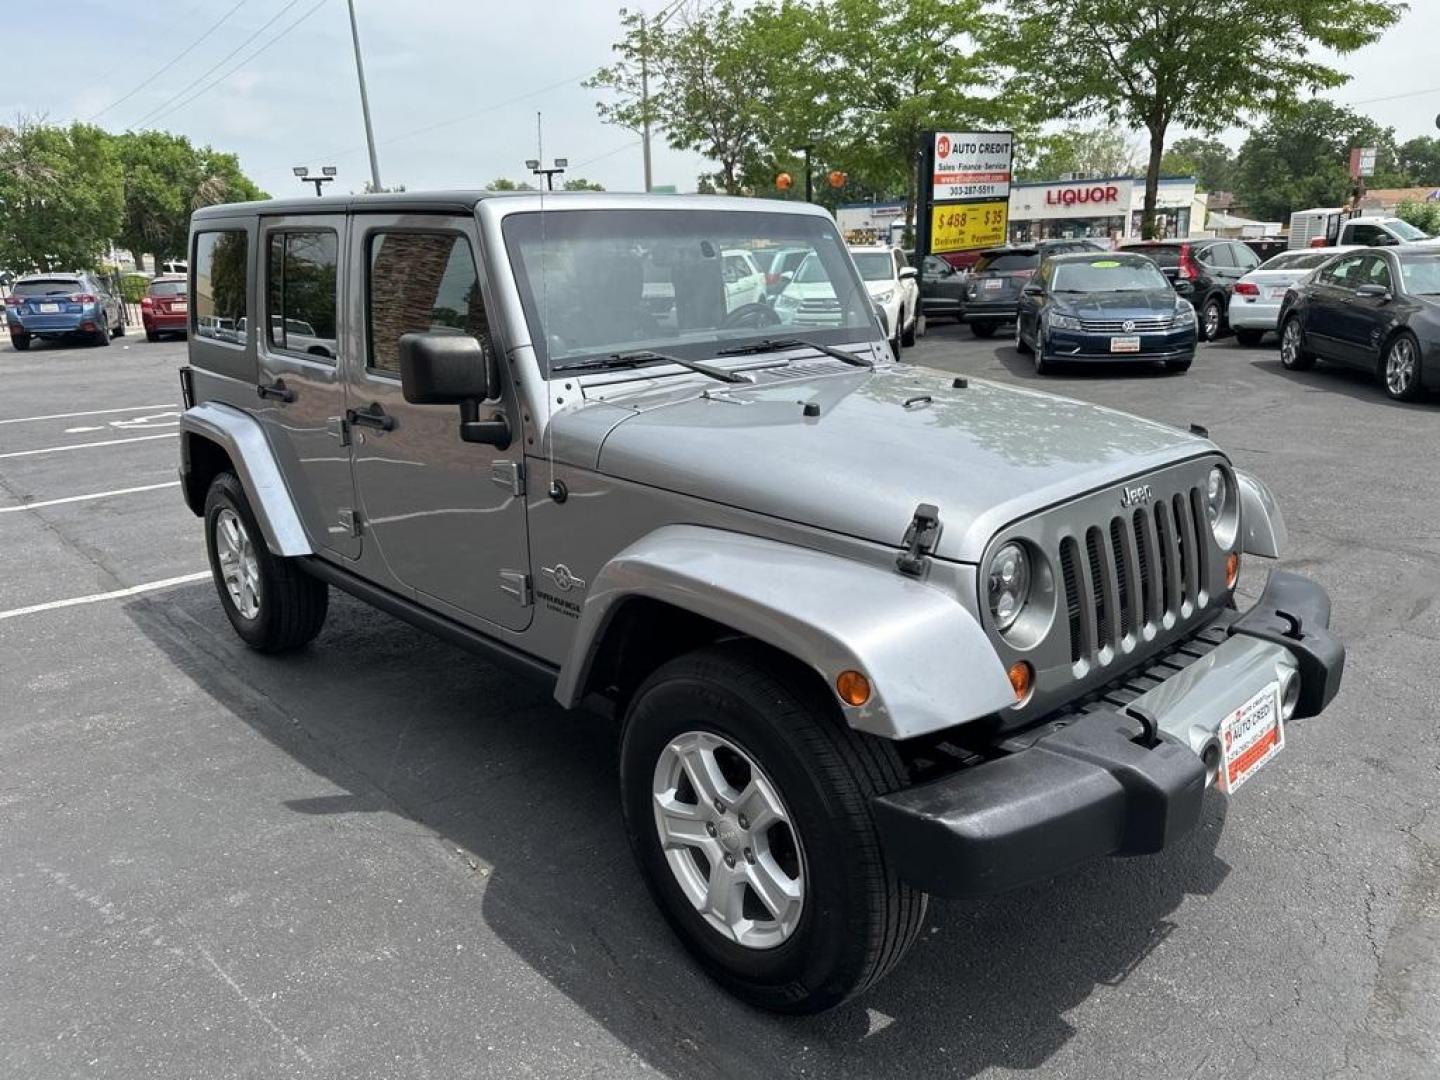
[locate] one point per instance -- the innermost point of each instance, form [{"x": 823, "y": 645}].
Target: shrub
[{"x": 133, "y": 286}]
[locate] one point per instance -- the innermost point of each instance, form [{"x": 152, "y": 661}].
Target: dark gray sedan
[{"x": 1376, "y": 309}]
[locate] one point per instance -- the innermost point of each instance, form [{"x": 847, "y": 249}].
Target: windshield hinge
[
  {"x": 921, "y": 536},
  {"x": 510, "y": 475}
]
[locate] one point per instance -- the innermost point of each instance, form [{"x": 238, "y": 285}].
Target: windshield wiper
[
  {"x": 640, "y": 357},
  {"x": 776, "y": 344}
]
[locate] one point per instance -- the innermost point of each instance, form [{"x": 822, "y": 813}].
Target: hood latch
[{"x": 921, "y": 536}]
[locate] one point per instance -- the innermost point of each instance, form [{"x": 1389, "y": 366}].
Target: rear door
[
  {"x": 444, "y": 519},
  {"x": 302, "y": 394}
]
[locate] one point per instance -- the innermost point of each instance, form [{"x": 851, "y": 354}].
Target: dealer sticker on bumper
[
  {"x": 1251, "y": 736},
  {"x": 1124, "y": 344}
]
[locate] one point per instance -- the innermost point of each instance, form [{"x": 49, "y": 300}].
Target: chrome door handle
[{"x": 373, "y": 417}]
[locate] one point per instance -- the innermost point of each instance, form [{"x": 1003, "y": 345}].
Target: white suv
[{"x": 892, "y": 283}]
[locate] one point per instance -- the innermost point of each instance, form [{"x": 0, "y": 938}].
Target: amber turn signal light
[
  {"x": 853, "y": 688},
  {"x": 1022, "y": 678},
  {"x": 1232, "y": 569}
]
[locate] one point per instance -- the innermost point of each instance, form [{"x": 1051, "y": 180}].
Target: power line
[
  {"x": 1395, "y": 97},
  {"x": 164, "y": 106},
  {"x": 608, "y": 153},
  {"x": 166, "y": 67},
  {"x": 245, "y": 60}
]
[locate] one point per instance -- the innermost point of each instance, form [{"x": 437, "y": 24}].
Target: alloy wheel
[
  {"x": 1212, "y": 321},
  {"x": 239, "y": 568},
  {"x": 1290, "y": 343},
  {"x": 1400, "y": 367},
  {"x": 728, "y": 839}
]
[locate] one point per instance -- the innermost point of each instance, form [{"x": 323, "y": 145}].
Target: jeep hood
[{"x": 883, "y": 442}]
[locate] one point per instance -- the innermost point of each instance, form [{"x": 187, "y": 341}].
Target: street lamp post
[
  {"x": 533, "y": 164},
  {"x": 327, "y": 175},
  {"x": 364, "y": 102}
]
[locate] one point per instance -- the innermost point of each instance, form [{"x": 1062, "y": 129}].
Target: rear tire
[
  {"x": 1293, "y": 356},
  {"x": 21, "y": 343},
  {"x": 1249, "y": 338},
  {"x": 983, "y": 329},
  {"x": 151, "y": 335},
  {"x": 101, "y": 336},
  {"x": 120, "y": 326},
  {"x": 741, "y": 711},
  {"x": 273, "y": 605},
  {"x": 1212, "y": 320}
]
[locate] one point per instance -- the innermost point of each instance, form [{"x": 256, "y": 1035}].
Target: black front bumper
[{"x": 1094, "y": 784}]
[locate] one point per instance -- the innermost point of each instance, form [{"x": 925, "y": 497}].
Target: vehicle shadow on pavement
[
  {"x": 1350, "y": 382},
  {"x": 407, "y": 725}
]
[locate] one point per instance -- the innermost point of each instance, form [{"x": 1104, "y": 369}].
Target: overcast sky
[{"x": 454, "y": 84}]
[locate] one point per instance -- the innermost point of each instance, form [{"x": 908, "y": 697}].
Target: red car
[{"x": 165, "y": 307}]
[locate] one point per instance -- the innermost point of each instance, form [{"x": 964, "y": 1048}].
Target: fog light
[
  {"x": 853, "y": 688},
  {"x": 1022, "y": 679},
  {"x": 1232, "y": 569}
]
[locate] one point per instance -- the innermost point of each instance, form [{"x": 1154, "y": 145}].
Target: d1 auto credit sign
[{"x": 972, "y": 165}]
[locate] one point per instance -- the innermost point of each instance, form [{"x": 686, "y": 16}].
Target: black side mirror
[
  {"x": 1373, "y": 291},
  {"x": 1183, "y": 287},
  {"x": 454, "y": 369},
  {"x": 1033, "y": 289}
]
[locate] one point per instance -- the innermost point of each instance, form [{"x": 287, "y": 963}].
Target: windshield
[
  {"x": 1421, "y": 274},
  {"x": 167, "y": 288},
  {"x": 47, "y": 287},
  {"x": 874, "y": 265},
  {"x": 1108, "y": 275},
  {"x": 596, "y": 282},
  {"x": 1008, "y": 261},
  {"x": 1405, "y": 230}
]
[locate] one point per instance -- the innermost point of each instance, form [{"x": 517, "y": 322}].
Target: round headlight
[
  {"x": 1008, "y": 585},
  {"x": 1217, "y": 494}
]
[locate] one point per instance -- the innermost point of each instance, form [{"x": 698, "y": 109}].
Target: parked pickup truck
[{"x": 872, "y": 632}]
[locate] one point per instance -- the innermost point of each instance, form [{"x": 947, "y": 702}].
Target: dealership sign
[{"x": 964, "y": 190}]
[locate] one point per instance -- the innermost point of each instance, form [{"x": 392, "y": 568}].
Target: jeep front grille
[{"x": 1144, "y": 567}]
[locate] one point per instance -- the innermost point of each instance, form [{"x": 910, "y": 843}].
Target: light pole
[
  {"x": 364, "y": 102},
  {"x": 327, "y": 175},
  {"x": 645, "y": 80},
  {"x": 533, "y": 164}
]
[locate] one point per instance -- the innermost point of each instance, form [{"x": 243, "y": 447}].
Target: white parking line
[
  {"x": 83, "y": 498},
  {"x": 95, "y": 598},
  {"x": 91, "y": 412},
  {"x": 88, "y": 445}
]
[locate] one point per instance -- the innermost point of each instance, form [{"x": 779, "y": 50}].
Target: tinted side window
[
  {"x": 218, "y": 306},
  {"x": 420, "y": 283},
  {"x": 1367, "y": 234},
  {"x": 1343, "y": 272},
  {"x": 1216, "y": 255},
  {"x": 1244, "y": 257},
  {"x": 300, "y": 271},
  {"x": 1376, "y": 273}
]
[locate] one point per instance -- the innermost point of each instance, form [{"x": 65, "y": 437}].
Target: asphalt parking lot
[{"x": 382, "y": 858}]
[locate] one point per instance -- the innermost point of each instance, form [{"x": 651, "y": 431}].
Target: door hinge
[
  {"x": 517, "y": 584},
  {"x": 350, "y": 521},
  {"x": 509, "y": 474},
  {"x": 340, "y": 428},
  {"x": 921, "y": 537}
]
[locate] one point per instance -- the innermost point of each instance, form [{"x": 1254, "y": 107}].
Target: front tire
[
  {"x": 1021, "y": 345},
  {"x": 1293, "y": 356},
  {"x": 1400, "y": 369},
  {"x": 1212, "y": 320},
  {"x": 983, "y": 329},
  {"x": 802, "y": 912},
  {"x": 273, "y": 605},
  {"x": 909, "y": 336}
]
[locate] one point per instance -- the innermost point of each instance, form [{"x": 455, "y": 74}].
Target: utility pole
[
  {"x": 809, "y": 182},
  {"x": 364, "y": 101},
  {"x": 645, "y": 81}
]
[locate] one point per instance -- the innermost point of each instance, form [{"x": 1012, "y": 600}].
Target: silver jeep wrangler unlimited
[{"x": 873, "y": 632}]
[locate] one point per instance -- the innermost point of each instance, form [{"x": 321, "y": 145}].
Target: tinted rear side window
[
  {"x": 302, "y": 292},
  {"x": 1008, "y": 261},
  {"x": 422, "y": 283},
  {"x": 219, "y": 267}
]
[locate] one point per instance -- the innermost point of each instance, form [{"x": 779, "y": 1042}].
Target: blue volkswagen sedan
[{"x": 1104, "y": 307}]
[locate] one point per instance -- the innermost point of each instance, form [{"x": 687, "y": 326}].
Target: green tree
[
  {"x": 61, "y": 196},
  {"x": 166, "y": 180},
  {"x": 502, "y": 183},
  {"x": 1208, "y": 160},
  {"x": 1089, "y": 152},
  {"x": 579, "y": 183},
  {"x": 1301, "y": 159},
  {"x": 1156, "y": 63},
  {"x": 1419, "y": 159}
]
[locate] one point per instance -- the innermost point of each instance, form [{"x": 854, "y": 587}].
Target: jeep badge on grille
[{"x": 1135, "y": 495}]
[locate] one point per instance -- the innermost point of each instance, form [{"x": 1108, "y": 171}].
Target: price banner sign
[
  {"x": 964, "y": 190},
  {"x": 967, "y": 226}
]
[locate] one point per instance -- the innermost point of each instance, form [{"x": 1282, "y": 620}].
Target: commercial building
[{"x": 1108, "y": 208}]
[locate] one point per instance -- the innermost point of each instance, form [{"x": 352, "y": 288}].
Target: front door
[
  {"x": 299, "y": 351},
  {"x": 1364, "y": 320},
  {"x": 446, "y": 518},
  {"x": 1333, "y": 291}
]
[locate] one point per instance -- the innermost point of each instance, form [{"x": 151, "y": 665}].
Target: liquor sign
[
  {"x": 1362, "y": 161},
  {"x": 964, "y": 190}
]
